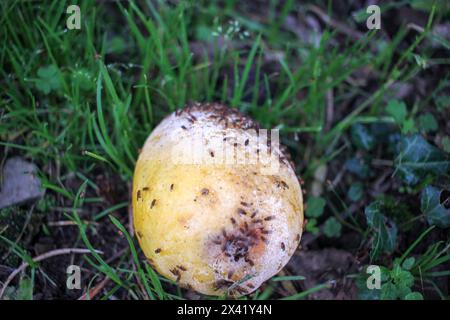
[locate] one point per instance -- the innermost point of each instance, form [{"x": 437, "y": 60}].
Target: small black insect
[{"x": 241, "y": 211}]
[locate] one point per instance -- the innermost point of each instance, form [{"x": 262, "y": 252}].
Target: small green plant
[
  {"x": 314, "y": 209},
  {"x": 398, "y": 111},
  {"x": 48, "y": 79},
  {"x": 332, "y": 228},
  {"x": 398, "y": 281}
]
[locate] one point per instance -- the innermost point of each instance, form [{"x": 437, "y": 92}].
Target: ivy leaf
[
  {"x": 315, "y": 206},
  {"x": 362, "y": 137},
  {"x": 355, "y": 192},
  {"x": 385, "y": 230},
  {"x": 332, "y": 228},
  {"x": 48, "y": 79},
  {"x": 435, "y": 205},
  {"x": 417, "y": 158},
  {"x": 358, "y": 167}
]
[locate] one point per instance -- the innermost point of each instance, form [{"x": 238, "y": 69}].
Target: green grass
[{"x": 132, "y": 64}]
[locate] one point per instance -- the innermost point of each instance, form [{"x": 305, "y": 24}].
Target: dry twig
[{"x": 41, "y": 257}]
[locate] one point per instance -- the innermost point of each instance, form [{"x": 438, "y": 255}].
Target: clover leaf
[
  {"x": 332, "y": 227},
  {"x": 48, "y": 79}
]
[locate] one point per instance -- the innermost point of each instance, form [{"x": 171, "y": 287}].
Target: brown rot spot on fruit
[
  {"x": 246, "y": 142},
  {"x": 211, "y": 153},
  {"x": 205, "y": 192},
  {"x": 283, "y": 247},
  {"x": 153, "y": 203},
  {"x": 145, "y": 188},
  {"x": 245, "y": 204},
  {"x": 158, "y": 250},
  {"x": 138, "y": 195},
  {"x": 254, "y": 214},
  {"x": 171, "y": 187},
  {"x": 139, "y": 234},
  {"x": 183, "y": 127},
  {"x": 269, "y": 218},
  {"x": 244, "y": 241}
]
